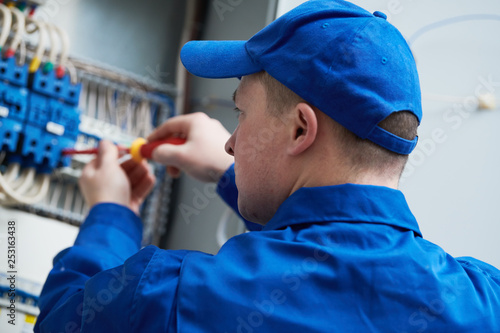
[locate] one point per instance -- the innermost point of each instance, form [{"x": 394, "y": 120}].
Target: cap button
[{"x": 380, "y": 14}]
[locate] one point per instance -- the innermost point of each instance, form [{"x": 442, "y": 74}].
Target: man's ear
[{"x": 304, "y": 129}]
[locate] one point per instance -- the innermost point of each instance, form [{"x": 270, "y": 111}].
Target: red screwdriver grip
[{"x": 147, "y": 149}]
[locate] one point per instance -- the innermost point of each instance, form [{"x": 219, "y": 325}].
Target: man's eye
[{"x": 238, "y": 111}]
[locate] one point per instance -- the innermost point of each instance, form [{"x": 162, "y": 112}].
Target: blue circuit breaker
[
  {"x": 13, "y": 103},
  {"x": 53, "y": 120}
]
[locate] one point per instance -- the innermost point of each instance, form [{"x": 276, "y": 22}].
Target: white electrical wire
[
  {"x": 6, "y": 24},
  {"x": 42, "y": 31},
  {"x": 101, "y": 103},
  {"x": 11, "y": 196},
  {"x": 22, "y": 53},
  {"x": 54, "y": 200},
  {"x": 221, "y": 234},
  {"x": 145, "y": 127},
  {"x": 63, "y": 60},
  {"x": 53, "y": 40},
  {"x": 23, "y": 183},
  {"x": 20, "y": 26},
  {"x": 129, "y": 116},
  {"x": 92, "y": 100},
  {"x": 111, "y": 105},
  {"x": 68, "y": 200},
  {"x": 77, "y": 207},
  {"x": 83, "y": 95},
  {"x": 12, "y": 172}
]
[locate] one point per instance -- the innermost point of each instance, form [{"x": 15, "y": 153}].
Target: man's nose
[{"x": 229, "y": 147}]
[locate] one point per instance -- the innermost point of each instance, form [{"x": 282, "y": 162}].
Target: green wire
[{"x": 49, "y": 67}]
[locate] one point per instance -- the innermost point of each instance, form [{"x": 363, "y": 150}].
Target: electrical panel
[{"x": 51, "y": 101}]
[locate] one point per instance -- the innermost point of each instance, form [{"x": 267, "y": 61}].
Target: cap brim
[{"x": 218, "y": 59}]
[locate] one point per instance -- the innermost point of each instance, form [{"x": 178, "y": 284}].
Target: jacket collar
[{"x": 345, "y": 203}]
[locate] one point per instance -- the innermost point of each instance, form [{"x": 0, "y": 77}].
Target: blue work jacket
[{"x": 347, "y": 258}]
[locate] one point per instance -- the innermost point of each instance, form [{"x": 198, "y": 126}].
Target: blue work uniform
[{"x": 346, "y": 258}]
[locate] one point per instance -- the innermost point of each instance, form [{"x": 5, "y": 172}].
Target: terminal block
[
  {"x": 52, "y": 122},
  {"x": 13, "y": 102},
  {"x": 48, "y": 84},
  {"x": 12, "y": 73}
]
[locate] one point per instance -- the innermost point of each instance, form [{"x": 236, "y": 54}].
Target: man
[{"x": 328, "y": 104}]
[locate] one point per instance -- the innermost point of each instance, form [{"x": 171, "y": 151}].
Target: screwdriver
[{"x": 139, "y": 150}]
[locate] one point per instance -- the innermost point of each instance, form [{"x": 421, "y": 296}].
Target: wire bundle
[{"x": 22, "y": 185}]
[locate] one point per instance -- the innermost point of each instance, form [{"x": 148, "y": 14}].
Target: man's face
[{"x": 258, "y": 148}]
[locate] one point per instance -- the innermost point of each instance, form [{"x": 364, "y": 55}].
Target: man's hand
[
  {"x": 202, "y": 156},
  {"x": 104, "y": 180}
]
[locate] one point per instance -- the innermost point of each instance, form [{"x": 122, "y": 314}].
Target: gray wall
[{"x": 140, "y": 37}]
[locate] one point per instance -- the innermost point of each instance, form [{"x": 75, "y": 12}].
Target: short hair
[{"x": 363, "y": 153}]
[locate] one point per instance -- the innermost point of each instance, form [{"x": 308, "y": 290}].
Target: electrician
[{"x": 329, "y": 104}]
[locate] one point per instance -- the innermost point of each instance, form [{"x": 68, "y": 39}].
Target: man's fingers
[
  {"x": 137, "y": 174},
  {"x": 89, "y": 170},
  {"x": 177, "y": 126},
  {"x": 170, "y": 155},
  {"x": 129, "y": 165},
  {"x": 143, "y": 187},
  {"x": 174, "y": 172},
  {"x": 108, "y": 153}
]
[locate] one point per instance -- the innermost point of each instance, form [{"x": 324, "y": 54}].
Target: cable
[
  {"x": 23, "y": 183},
  {"x": 37, "y": 58},
  {"x": 61, "y": 68},
  {"x": 12, "y": 172},
  {"x": 10, "y": 196},
  {"x": 111, "y": 104},
  {"x": 54, "y": 200},
  {"x": 49, "y": 66},
  {"x": 6, "y": 24},
  {"x": 83, "y": 95},
  {"x": 37, "y": 192},
  {"x": 92, "y": 100},
  {"x": 221, "y": 233},
  {"x": 20, "y": 24},
  {"x": 68, "y": 200},
  {"x": 101, "y": 103}
]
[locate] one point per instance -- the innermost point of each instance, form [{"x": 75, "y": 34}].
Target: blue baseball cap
[{"x": 352, "y": 65}]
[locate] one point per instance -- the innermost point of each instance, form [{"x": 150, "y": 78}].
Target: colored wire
[
  {"x": 49, "y": 66},
  {"x": 22, "y": 6},
  {"x": 20, "y": 26},
  {"x": 32, "y": 10},
  {"x": 6, "y": 24},
  {"x": 63, "y": 60},
  {"x": 37, "y": 58}
]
